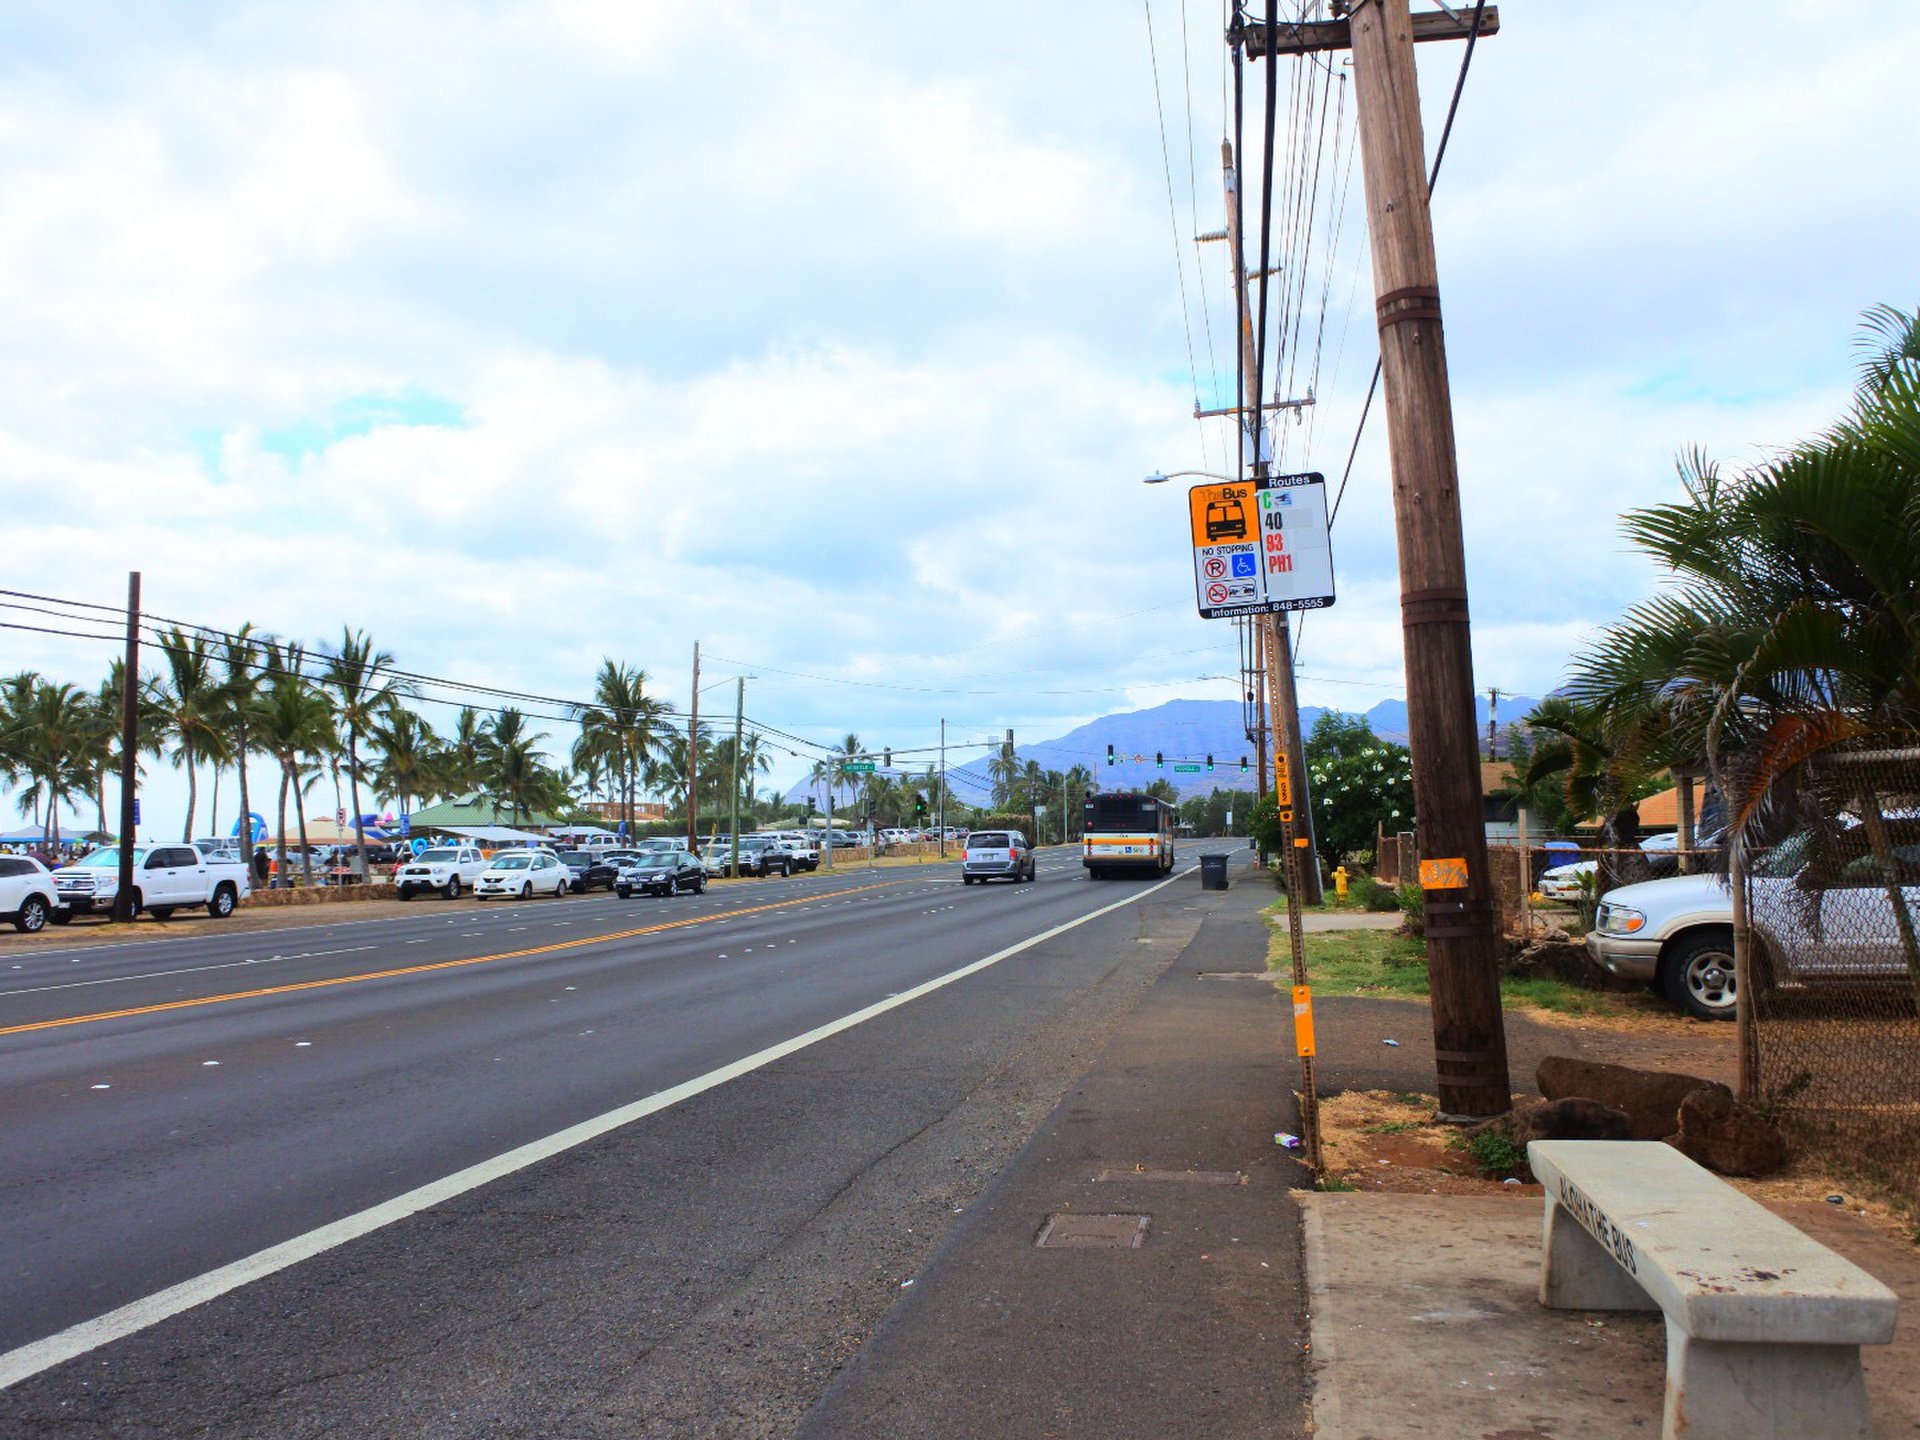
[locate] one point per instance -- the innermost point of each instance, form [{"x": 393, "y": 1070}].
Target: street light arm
[{"x": 1157, "y": 478}]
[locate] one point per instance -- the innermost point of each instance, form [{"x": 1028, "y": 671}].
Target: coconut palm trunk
[
  {"x": 280, "y": 874},
  {"x": 193, "y": 789},
  {"x": 300, "y": 815},
  {"x": 245, "y": 831}
]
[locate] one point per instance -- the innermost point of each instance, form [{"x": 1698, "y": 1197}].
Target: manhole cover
[{"x": 1093, "y": 1232}]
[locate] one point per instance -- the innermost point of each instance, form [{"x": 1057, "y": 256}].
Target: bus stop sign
[{"x": 1261, "y": 545}]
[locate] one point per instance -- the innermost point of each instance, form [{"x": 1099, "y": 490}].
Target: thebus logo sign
[{"x": 1261, "y": 546}]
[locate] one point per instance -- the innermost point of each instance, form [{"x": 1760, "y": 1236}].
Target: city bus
[{"x": 1127, "y": 833}]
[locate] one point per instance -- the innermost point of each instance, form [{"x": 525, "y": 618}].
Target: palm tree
[
  {"x": 511, "y": 767},
  {"x": 1791, "y": 631},
  {"x": 16, "y": 698},
  {"x": 409, "y": 754},
  {"x": 49, "y": 739},
  {"x": 1003, "y": 773},
  {"x": 103, "y": 755},
  {"x": 1079, "y": 780},
  {"x": 241, "y": 659},
  {"x": 460, "y": 760},
  {"x": 620, "y": 729},
  {"x": 363, "y": 687},
  {"x": 293, "y": 721},
  {"x": 188, "y": 700}
]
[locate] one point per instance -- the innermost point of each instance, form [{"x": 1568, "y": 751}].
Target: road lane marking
[
  {"x": 30, "y": 1359},
  {"x": 189, "y": 970},
  {"x": 297, "y": 986}
]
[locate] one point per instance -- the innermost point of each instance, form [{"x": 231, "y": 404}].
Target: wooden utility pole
[
  {"x": 1462, "y": 918},
  {"x": 1274, "y": 635},
  {"x": 129, "y": 759},
  {"x": 693, "y": 755},
  {"x": 739, "y": 712}
]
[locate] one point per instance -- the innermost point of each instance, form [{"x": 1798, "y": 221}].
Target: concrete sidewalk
[
  {"x": 1427, "y": 1322},
  {"x": 1196, "y": 1330},
  {"x": 1171, "y": 1297}
]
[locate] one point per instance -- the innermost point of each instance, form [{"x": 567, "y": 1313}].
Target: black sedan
[
  {"x": 664, "y": 872},
  {"x": 584, "y": 870}
]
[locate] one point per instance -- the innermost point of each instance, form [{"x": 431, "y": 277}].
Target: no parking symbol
[{"x": 1216, "y": 567}]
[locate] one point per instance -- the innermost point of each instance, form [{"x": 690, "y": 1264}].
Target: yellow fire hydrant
[{"x": 1340, "y": 881}]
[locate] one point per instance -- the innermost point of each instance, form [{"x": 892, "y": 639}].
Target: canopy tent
[
  {"x": 324, "y": 830},
  {"x": 37, "y": 834},
  {"x": 495, "y": 834}
]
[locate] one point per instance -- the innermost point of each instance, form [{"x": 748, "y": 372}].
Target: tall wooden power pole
[
  {"x": 693, "y": 755},
  {"x": 129, "y": 756},
  {"x": 1462, "y": 918},
  {"x": 1273, "y": 635}
]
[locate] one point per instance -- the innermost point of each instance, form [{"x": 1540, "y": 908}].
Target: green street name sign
[
  {"x": 857, "y": 767},
  {"x": 1187, "y": 769}
]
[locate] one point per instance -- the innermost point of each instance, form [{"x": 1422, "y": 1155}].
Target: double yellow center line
[{"x": 433, "y": 965}]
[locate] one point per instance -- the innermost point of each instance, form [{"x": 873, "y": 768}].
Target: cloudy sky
[{"x": 837, "y": 336}]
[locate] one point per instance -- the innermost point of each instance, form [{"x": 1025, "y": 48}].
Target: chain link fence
[
  {"x": 1832, "y": 966},
  {"x": 1570, "y": 876}
]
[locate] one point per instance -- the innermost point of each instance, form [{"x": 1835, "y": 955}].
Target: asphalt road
[{"x": 168, "y": 1108}]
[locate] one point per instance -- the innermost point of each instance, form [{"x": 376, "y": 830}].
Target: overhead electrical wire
[{"x": 1433, "y": 177}]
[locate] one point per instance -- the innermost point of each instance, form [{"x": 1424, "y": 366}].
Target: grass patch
[
  {"x": 1361, "y": 962},
  {"x": 1387, "y": 963},
  {"x": 1497, "y": 1155},
  {"x": 1542, "y": 993},
  {"x": 1392, "y": 1127}
]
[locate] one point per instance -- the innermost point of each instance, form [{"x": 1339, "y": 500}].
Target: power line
[
  {"x": 1173, "y": 217},
  {"x": 1433, "y": 177}
]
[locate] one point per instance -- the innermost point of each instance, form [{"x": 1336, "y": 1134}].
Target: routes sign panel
[{"x": 1261, "y": 545}]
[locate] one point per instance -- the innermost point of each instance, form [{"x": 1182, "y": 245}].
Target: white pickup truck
[
  {"x": 449, "y": 869},
  {"x": 166, "y": 878}
]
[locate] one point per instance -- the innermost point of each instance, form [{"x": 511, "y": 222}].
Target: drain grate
[
  {"x": 1190, "y": 1177},
  {"x": 1092, "y": 1232}
]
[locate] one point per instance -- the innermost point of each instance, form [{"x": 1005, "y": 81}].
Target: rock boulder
[
  {"x": 1719, "y": 1132},
  {"x": 1649, "y": 1098}
]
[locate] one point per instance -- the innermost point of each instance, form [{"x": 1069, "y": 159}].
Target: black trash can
[{"x": 1213, "y": 872}]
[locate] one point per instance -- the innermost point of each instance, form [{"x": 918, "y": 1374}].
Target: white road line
[
  {"x": 29, "y": 1360},
  {"x": 188, "y": 970}
]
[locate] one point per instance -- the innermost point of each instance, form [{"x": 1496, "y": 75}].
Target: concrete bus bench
[{"x": 1764, "y": 1325}]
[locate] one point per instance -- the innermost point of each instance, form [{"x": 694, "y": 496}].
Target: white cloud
[{"x": 838, "y": 336}]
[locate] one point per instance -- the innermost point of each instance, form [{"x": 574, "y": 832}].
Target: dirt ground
[{"x": 1386, "y": 1141}]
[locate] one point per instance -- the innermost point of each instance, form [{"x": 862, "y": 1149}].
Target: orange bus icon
[{"x": 1226, "y": 520}]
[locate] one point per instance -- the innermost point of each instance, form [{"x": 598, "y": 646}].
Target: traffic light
[
  {"x": 1109, "y": 754},
  {"x": 920, "y": 805},
  {"x": 1159, "y": 761},
  {"x": 1209, "y": 762},
  {"x": 1243, "y": 764},
  {"x": 886, "y": 759}
]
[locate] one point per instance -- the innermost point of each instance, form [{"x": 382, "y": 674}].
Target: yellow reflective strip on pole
[{"x": 1302, "y": 1021}]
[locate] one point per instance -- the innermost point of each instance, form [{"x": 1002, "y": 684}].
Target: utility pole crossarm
[{"x": 1310, "y": 36}]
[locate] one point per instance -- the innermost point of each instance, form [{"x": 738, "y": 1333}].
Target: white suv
[
  {"x": 1812, "y": 923},
  {"x": 446, "y": 868},
  {"x": 26, "y": 893}
]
